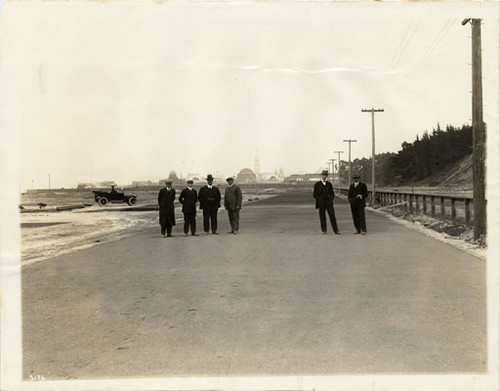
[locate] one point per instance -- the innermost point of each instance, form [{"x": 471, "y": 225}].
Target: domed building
[{"x": 246, "y": 176}]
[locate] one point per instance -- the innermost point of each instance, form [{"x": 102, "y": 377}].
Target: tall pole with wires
[
  {"x": 338, "y": 169},
  {"x": 478, "y": 133},
  {"x": 373, "y": 111},
  {"x": 350, "y": 168}
]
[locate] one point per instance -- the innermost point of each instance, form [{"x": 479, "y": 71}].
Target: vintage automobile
[{"x": 113, "y": 196}]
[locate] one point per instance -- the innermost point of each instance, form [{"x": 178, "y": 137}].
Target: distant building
[
  {"x": 195, "y": 177},
  {"x": 85, "y": 186},
  {"x": 246, "y": 176},
  {"x": 303, "y": 178},
  {"x": 143, "y": 183}
]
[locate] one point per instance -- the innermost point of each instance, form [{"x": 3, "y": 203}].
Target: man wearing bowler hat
[
  {"x": 357, "y": 196},
  {"x": 166, "y": 198},
  {"x": 188, "y": 198},
  {"x": 232, "y": 203},
  {"x": 209, "y": 197},
  {"x": 324, "y": 195}
]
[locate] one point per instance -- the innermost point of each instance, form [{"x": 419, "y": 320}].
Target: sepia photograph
[{"x": 225, "y": 195}]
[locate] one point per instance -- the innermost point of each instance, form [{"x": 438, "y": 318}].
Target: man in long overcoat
[
  {"x": 358, "y": 192},
  {"x": 166, "y": 198},
  {"x": 209, "y": 197},
  {"x": 324, "y": 195},
  {"x": 188, "y": 198},
  {"x": 232, "y": 203}
]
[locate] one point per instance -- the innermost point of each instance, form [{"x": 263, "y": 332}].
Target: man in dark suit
[
  {"x": 357, "y": 196},
  {"x": 188, "y": 198},
  {"x": 324, "y": 195},
  {"x": 209, "y": 197},
  {"x": 166, "y": 198},
  {"x": 232, "y": 202}
]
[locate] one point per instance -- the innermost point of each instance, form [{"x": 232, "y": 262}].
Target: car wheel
[
  {"x": 102, "y": 201},
  {"x": 132, "y": 201}
]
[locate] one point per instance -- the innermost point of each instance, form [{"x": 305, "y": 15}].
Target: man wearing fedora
[
  {"x": 188, "y": 198},
  {"x": 232, "y": 203},
  {"x": 324, "y": 195},
  {"x": 166, "y": 198},
  {"x": 357, "y": 196},
  {"x": 209, "y": 197}
]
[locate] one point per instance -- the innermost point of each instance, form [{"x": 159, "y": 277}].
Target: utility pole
[
  {"x": 338, "y": 169},
  {"x": 350, "y": 168},
  {"x": 478, "y": 133},
  {"x": 333, "y": 165},
  {"x": 373, "y": 111}
]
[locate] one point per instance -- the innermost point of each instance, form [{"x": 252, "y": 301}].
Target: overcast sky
[{"x": 130, "y": 91}]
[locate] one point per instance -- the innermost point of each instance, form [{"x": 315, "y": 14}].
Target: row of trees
[{"x": 427, "y": 155}]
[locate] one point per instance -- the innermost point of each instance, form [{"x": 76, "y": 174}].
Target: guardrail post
[
  {"x": 424, "y": 204},
  {"x": 467, "y": 212},
  {"x": 411, "y": 203},
  {"x": 453, "y": 211},
  {"x": 417, "y": 205},
  {"x": 433, "y": 206},
  {"x": 443, "y": 212}
]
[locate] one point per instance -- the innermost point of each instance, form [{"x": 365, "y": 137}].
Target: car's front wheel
[
  {"x": 102, "y": 201},
  {"x": 132, "y": 201}
]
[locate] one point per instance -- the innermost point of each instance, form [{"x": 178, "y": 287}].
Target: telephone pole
[
  {"x": 478, "y": 133},
  {"x": 338, "y": 169},
  {"x": 350, "y": 168},
  {"x": 373, "y": 111}
]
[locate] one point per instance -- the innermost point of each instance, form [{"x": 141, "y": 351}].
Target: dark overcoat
[
  {"x": 323, "y": 194},
  {"x": 188, "y": 199},
  {"x": 166, "y": 200},
  {"x": 209, "y": 198},
  {"x": 353, "y": 198}
]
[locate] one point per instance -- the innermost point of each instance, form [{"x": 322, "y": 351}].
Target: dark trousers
[
  {"x": 234, "y": 219},
  {"x": 322, "y": 217},
  {"x": 167, "y": 228},
  {"x": 210, "y": 216},
  {"x": 190, "y": 221},
  {"x": 358, "y": 217}
]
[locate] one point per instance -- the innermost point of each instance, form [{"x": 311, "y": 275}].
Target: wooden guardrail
[{"x": 457, "y": 209}]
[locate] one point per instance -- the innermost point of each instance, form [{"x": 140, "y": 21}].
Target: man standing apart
[
  {"x": 232, "y": 202},
  {"x": 209, "y": 198},
  {"x": 357, "y": 195},
  {"x": 324, "y": 195},
  {"x": 188, "y": 199},
  {"x": 166, "y": 198}
]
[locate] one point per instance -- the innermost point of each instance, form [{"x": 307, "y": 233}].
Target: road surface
[{"x": 278, "y": 299}]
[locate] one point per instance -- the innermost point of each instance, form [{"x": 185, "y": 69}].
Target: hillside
[{"x": 456, "y": 175}]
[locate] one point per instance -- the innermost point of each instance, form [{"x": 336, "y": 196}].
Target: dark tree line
[{"x": 427, "y": 155}]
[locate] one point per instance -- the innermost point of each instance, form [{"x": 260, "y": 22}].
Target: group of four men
[{"x": 210, "y": 202}]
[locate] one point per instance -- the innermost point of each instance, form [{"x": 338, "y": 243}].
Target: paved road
[{"x": 278, "y": 299}]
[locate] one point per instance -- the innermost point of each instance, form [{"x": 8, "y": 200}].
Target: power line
[
  {"x": 406, "y": 41},
  {"x": 437, "y": 40}
]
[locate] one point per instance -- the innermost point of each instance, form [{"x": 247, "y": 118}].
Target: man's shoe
[
  {"x": 185, "y": 234},
  {"x": 169, "y": 235},
  {"x": 323, "y": 233},
  {"x": 230, "y": 233},
  {"x": 337, "y": 233},
  {"x": 363, "y": 233},
  {"x": 162, "y": 236},
  {"x": 235, "y": 233},
  {"x": 205, "y": 233},
  {"x": 195, "y": 235},
  {"x": 357, "y": 233},
  {"x": 215, "y": 233}
]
